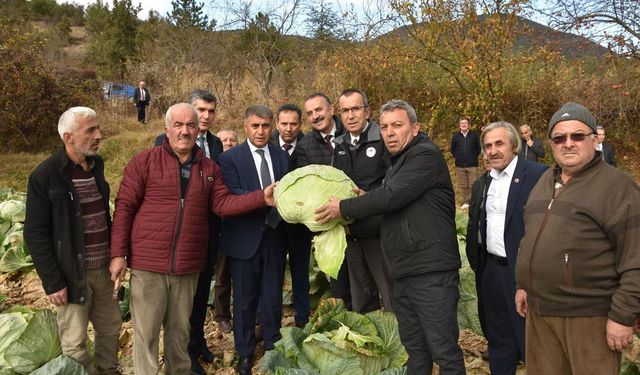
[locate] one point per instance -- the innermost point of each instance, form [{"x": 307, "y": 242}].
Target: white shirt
[
  {"x": 293, "y": 144},
  {"x": 356, "y": 138},
  {"x": 496, "y": 207},
  {"x": 332, "y": 132},
  {"x": 599, "y": 147},
  {"x": 257, "y": 159},
  {"x": 206, "y": 144}
]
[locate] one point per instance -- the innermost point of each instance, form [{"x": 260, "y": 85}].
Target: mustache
[{"x": 318, "y": 119}]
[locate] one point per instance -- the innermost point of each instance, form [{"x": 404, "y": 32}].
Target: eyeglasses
[
  {"x": 575, "y": 137},
  {"x": 355, "y": 109}
]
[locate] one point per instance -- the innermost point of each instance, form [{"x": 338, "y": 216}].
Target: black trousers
[
  {"x": 340, "y": 286},
  {"x": 142, "y": 107},
  {"x": 426, "y": 307},
  {"x": 197, "y": 342}
]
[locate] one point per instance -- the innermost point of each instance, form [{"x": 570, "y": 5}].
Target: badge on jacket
[{"x": 371, "y": 152}]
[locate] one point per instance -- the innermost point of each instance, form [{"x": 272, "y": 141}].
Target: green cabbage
[
  {"x": 61, "y": 365},
  {"x": 298, "y": 195},
  {"x": 12, "y": 211},
  {"x": 337, "y": 341},
  {"x": 29, "y": 340},
  {"x": 468, "y": 303}
]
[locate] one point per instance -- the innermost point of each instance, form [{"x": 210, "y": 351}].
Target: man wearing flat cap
[{"x": 578, "y": 269}]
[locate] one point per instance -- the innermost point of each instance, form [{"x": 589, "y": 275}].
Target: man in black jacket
[
  {"x": 361, "y": 154},
  {"x": 465, "y": 148},
  {"x": 316, "y": 147},
  {"x": 418, "y": 236},
  {"x": 607, "y": 149},
  {"x": 532, "y": 147},
  {"x": 205, "y": 104},
  {"x": 67, "y": 231}
]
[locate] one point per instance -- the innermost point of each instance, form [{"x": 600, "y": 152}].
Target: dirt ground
[{"x": 27, "y": 290}]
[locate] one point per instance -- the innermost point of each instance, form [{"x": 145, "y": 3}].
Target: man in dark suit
[
  {"x": 607, "y": 149},
  {"x": 532, "y": 147},
  {"x": 141, "y": 98},
  {"x": 205, "y": 104},
  {"x": 254, "y": 243},
  {"x": 501, "y": 229},
  {"x": 286, "y": 136}
]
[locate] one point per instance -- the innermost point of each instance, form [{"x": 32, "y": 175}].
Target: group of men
[{"x": 195, "y": 200}]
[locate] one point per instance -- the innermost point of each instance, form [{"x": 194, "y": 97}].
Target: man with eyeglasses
[
  {"x": 361, "y": 154},
  {"x": 578, "y": 269}
]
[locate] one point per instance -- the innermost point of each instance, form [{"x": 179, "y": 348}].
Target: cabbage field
[{"x": 334, "y": 341}]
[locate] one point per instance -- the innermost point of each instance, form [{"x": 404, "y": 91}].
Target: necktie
[
  {"x": 141, "y": 95},
  {"x": 272, "y": 217},
  {"x": 355, "y": 141},
  {"x": 201, "y": 142},
  {"x": 287, "y": 147},
  {"x": 327, "y": 138}
]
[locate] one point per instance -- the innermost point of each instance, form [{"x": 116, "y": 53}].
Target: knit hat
[{"x": 573, "y": 111}]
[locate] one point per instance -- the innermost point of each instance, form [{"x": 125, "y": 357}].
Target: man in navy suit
[
  {"x": 286, "y": 137},
  {"x": 142, "y": 98},
  {"x": 254, "y": 243},
  {"x": 501, "y": 228},
  {"x": 205, "y": 104}
]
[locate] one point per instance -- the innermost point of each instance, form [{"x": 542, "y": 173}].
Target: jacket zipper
[
  {"x": 176, "y": 234},
  {"x": 535, "y": 243},
  {"x": 567, "y": 269}
]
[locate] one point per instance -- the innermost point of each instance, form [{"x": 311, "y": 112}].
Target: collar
[
  {"x": 253, "y": 148},
  {"x": 508, "y": 171},
  {"x": 281, "y": 141},
  {"x": 332, "y": 132}
]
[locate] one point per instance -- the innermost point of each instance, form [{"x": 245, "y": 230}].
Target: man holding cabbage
[{"x": 418, "y": 236}]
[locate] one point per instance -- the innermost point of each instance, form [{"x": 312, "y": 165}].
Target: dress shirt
[
  {"x": 496, "y": 207},
  {"x": 293, "y": 144},
  {"x": 257, "y": 160},
  {"x": 205, "y": 144}
]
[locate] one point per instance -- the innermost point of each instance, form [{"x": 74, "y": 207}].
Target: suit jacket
[
  {"x": 524, "y": 178},
  {"x": 275, "y": 140},
  {"x": 136, "y": 96},
  {"x": 608, "y": 154},
  {"x": 473, "y": 225},
  {"x": 241, "y": 235},
  {"x": 214, "y": 143}
]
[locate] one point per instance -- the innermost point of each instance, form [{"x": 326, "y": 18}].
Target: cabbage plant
[
  {"x": 337, "y": 341},
  {"x": 298, "y": 195}
]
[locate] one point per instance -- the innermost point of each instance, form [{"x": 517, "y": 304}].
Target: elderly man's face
[
  {"x": 319, "y": 114},
  {"x": 183, "y": 129},
  {"x": 498, "y": 148},
  {"x": 228, "y": 138},
  {"x": 258, "y": 130},
  {"x": 572, "y": 155},
  {"x": 600, "y": 135},
  {"x": 288, "y": 125},
  {"x": 85, "y": 140},
  {"x": 525, "y": 133},
  {"x": 206, "y": 114},
  {"x": 397, "y": 130},
  {"x": 353, "y": 112}
]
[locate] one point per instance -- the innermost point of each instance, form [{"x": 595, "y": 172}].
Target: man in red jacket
[{"x": 160, "y": 229}]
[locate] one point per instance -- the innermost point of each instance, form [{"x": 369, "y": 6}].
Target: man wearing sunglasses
[{"x": 578, "y": 269}]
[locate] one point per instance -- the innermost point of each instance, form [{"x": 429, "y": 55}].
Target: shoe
[
  {"x": 196, "y": 367},
  {"x": 464, "y": 206},
  {"x": 225, "y": 326},
  {"x": 244, "y": 366},
  {"x": 207, "y": 356}
]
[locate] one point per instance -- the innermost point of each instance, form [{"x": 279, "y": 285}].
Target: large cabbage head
[
  {"x": 298, "y": 195},
  {"x": 12, "y": 211},
  {"x": 303, "y": 190}
]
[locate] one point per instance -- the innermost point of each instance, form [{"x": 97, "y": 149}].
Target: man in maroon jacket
[{"x": 160, "y": 228}]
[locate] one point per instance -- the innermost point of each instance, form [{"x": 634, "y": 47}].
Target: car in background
[{"x": 117, "y": 91}]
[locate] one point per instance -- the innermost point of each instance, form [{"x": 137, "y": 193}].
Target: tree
[
  {"x": 113, "y": 33},
  {"x": 188, "y": 14},
  {"x": 614, "y": 22},
  {"x": 323, "y": 22}
]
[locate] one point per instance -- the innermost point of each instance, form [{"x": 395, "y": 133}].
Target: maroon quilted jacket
[{"x": 157, "y": 230}]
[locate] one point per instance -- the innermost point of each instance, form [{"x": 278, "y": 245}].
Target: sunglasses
[{"x": 575, "y": 137}]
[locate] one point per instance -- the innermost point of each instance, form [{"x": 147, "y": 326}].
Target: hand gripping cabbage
[{"x": 303, "y": 190}]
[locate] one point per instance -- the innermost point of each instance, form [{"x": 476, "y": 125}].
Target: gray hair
[
  {"x": 68, "y": 123},
  {"x": 514, "y": 136},
  {"x": 167, "y": 117},
  {"x": 259, "y": 110},
  {"x": 235, "y": 133},
  {"x": 525, "y": 126},
  {"x": 394, "y": 104},
  {"x": 205, "y": 95}
]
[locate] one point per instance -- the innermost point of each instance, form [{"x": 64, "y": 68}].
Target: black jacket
[
  {"x": 535, "y": 152},
  {"x": 312, "y": 149},
  {"x": 275, "y": 140},
  {"x": 416, "y": 200},
  {"x": 608, "y": 155},
  {"x": 53, "y": 229},
  {"x": 473, "y": 225},
  {"x": 466, "y": 150},
  {"x": 365, "y": 165}
]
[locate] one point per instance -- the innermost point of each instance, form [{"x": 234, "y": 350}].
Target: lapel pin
[{"x": 516, "y": 180}]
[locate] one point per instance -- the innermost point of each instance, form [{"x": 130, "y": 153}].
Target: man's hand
[
  {"x": 118, "y": 268},
  {"x": 529, "y": 142},
  {"x": 521, "y": 303},
  {"x": 618, "y": 335},
  {"x": 58, "y": 298},
  {"x": 359, "y": 191},
  {"x": 268, "y": 195},
  {"x": 328, "y": 212}
]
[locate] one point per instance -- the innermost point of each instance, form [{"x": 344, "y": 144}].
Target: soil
[{"x": 26, "y": 290}]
